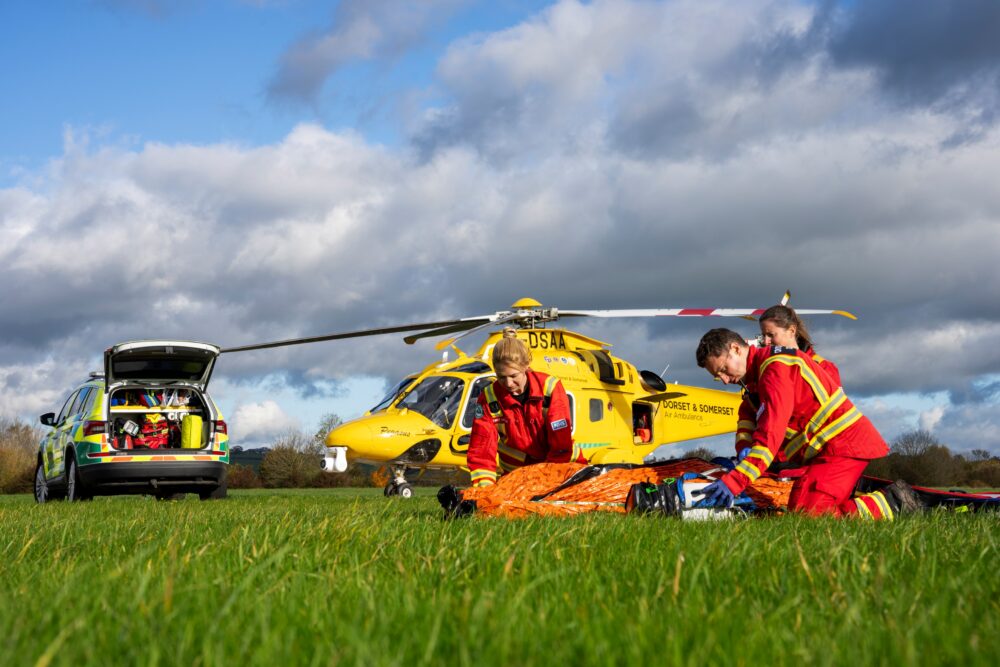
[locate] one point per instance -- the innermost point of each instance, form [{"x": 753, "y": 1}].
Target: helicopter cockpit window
[
  {"x": 393, "y": 393},
  {"x": 473, "y": 367},
  {"x": 436, "y": 398},
  {"x": 470, "y": 406}
]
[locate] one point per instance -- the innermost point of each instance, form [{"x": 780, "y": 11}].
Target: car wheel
[
  {"x": 41, "y": 485},
  {"x": 218, "y": 493},
  {"x": 75, "y": 490}
]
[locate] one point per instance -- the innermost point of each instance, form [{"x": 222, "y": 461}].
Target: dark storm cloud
[
  {"x": 361, "y": 30},
  {"x": 924, "y": 52},
  {"x": 941, "y": 55}
]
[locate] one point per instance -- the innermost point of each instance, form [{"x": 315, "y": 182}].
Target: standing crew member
[
  {"x": 779, "y": 325},
  {"x": 522, "y": 418},
  {"x": 804, "y": 410}
]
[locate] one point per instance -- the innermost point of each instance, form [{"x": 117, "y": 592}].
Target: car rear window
[{"x": 158, "y": 369}]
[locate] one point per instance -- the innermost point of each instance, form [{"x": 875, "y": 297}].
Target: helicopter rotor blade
[
  {"x": 440, "y": 331},
  {"x": 783, "y": 302},
  {"x": 665, "y": 396},
  {"x": 340, "y": 336},
  {"x": 495, "y": 320},
  {"x": 692, "y": 312},
  {"x": 470, "y": 325}
]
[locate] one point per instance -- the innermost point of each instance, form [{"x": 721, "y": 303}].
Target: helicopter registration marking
[{"x": 546, "y": 340}]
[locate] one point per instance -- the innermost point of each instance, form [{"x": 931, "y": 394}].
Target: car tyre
[
  {"x": 217, "y": 493},
  {"x": 41, "y": 485},
  {"x": 75, "y": 490}
]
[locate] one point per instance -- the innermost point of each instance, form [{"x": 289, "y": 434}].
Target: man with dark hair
[{"x": 825, "y": 432}]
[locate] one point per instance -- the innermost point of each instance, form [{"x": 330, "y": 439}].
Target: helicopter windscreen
[
  {"x": 393, "y": 394},
  {"x": 436, "y": 398}
]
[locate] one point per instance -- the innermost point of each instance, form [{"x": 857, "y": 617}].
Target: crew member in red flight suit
[
  {"x": 522, "y": 418},
  {"x": 804, "y": 410},
  {"x": 779, "y": 325}
]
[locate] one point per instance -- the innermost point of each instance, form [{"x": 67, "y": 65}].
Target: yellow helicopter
[{"x": 619, "y": 414}]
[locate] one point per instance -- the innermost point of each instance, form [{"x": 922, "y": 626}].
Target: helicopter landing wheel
[
  {"x": 394, "y": 488},
  {"x": 398, "y": 486}
]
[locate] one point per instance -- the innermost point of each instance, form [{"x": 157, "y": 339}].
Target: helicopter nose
[{"x": 349, "y": 435}]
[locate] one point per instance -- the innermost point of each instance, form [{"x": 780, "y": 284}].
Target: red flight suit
[
  {"x": 521, "y": 433},
  {"x": 747, "y": 423},
  {"x": 805, "y": 412}
]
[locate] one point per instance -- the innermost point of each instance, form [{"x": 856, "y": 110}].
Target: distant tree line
[{"x": 920, "y": 458}]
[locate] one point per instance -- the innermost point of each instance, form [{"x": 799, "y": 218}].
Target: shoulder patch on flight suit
[{"x": 778, "y": 349}]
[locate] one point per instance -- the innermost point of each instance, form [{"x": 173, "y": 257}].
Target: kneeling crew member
[
  {"x": 522, "y": 418},
  {"x": 825, "y": 431}
]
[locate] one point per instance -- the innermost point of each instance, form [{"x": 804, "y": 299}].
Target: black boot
[
  {"x": 902, "y": 498},
  {"x": 454, "y": 507}
]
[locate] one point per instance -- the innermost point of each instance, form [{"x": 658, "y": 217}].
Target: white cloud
[
  {"x": 929, "y": 419},
  {"x": 260, "y": 423},
  {"x": 559, "y": 167}
]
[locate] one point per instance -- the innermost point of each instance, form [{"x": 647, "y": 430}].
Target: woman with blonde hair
[{"x": 522, "y": 418}]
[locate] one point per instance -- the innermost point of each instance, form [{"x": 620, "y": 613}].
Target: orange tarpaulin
[{"x": 535, "y": 489}]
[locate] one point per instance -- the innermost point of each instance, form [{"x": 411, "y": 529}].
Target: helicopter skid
[{"x": 335, "y": 460}]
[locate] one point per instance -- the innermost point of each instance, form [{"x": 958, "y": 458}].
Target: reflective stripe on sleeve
[
  {"x": 763, "y": 453},
  {"x": 750, "y": 470},
  {"x": 482, "y": 476}
]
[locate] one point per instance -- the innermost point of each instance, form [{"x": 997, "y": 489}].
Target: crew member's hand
[
  {"x": 716, "y": 494},
  {"x": 743, "y": 454}
]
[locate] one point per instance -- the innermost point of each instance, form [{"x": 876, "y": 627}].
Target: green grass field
[{"x": 348, "y": 577}]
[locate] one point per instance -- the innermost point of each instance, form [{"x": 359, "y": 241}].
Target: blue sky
[
  {"x": 241, "y": 171},
  {"x": 199, "y": 72}
]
